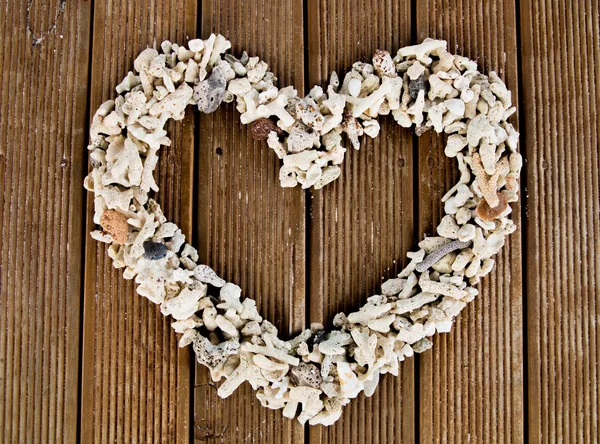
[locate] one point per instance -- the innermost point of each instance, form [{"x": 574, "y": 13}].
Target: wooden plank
[
  {"x": 136, "y": 381},
  {"x": 471, "y": 381},
  {"x": 42, "y": 110},
  {"x": 252, "y": 231},
  {"x": 561, "y": 64},
  {"x": 362, "y": 224}
]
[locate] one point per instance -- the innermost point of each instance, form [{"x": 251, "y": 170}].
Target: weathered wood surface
[
  {"x": 136, "y": 382},
  {"x": 255, "y": 233},
  {"x": 471, "y": 380},
  {"x": 560, "y": 71},
  {"x": 42, "y": 163},
  {"x": 82, "y": 358},
  {"x": 362, "y": 224}
]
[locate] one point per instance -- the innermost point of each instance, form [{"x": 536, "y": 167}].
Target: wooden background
[{"x": 82, "y": 358}]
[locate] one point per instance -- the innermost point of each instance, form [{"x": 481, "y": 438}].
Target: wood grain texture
[
  {"x": 471, "y": 381},
  {"x": 362, "y": 224},
  {"x": 136, "y": 381},
  {"x": 561, "y": 67},
  {"x": 42, "y": 116},
  {"x": 304, "y": 256},
  {"x": 250, "y": 229}
]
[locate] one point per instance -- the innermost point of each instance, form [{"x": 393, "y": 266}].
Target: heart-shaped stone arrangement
[{"x": 316, "y": 373}]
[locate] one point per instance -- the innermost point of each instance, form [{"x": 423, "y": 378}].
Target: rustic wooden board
[
  {"x": 135, "y": 380},
  {"x": 508, "y": 372},
  {"x": 250, "y": 229},
  {"x": 362, "y": 224},
  {"x": 561, "y": 65},
  {"x": 471, "y": 381},
  {"x": 42, "y": 116}
]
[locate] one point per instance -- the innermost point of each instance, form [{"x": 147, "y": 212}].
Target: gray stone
[{"x": 209, "y": 93}]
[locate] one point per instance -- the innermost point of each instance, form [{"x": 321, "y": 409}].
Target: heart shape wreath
[{"x": 322, "y": 370}]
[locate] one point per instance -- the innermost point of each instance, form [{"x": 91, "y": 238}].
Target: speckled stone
[
  {"x": 115, "y": 224},
  {"x": 260, "y": 128},
  {"x": 307, "y": 375}
]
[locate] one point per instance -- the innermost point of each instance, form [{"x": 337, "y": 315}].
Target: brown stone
[
  {"x": 260, "y": 129},
  {"x": 115, "y": 224},
  {"x": 485, "y": 212}
]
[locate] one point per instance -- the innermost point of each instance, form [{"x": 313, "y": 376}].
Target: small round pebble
[
  {"x": 485, "y": 212},
  {"x": 154, "y": 250},
  {"x": 354, "y": 87},
  {"x": 260, "y": 129}
]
